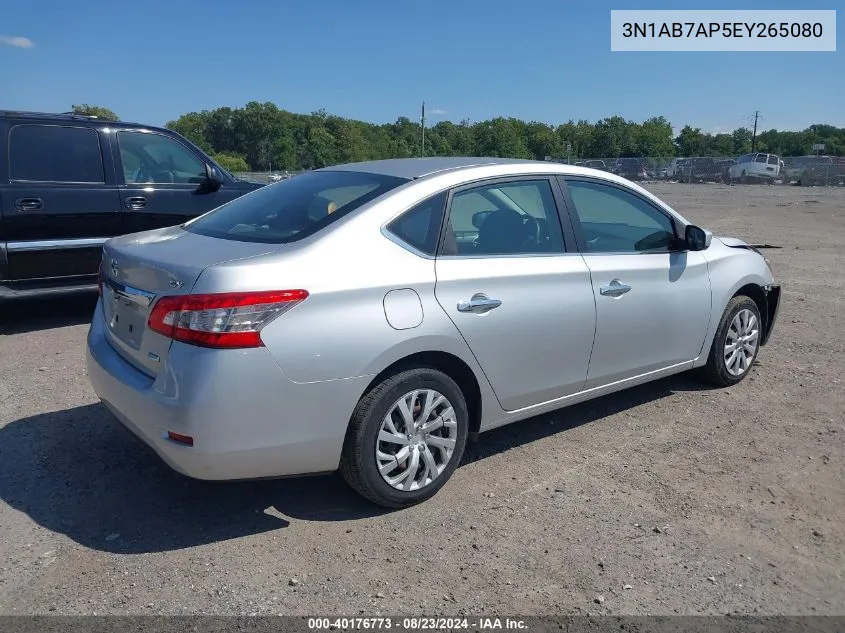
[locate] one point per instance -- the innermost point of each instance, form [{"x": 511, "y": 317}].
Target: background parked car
[
  {"x": 69, "y": 182},
  {"x": 596, "y": 164},
  {"x": 700, "y": 169},
  {"x": 816, "y": 170},
  {"x": 630, "y": 168},
  {"x": 758, "y": 166},
  {"x": 672, "y": 169},
  {"x": 723, "y": 167}
]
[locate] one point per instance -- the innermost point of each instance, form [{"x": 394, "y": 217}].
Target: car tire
[
  {"x": 359, "y": 464},
  {"x": 722, "y": 370}
]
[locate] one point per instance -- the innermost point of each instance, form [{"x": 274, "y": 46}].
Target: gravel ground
[{"x": 667, "y": 498}]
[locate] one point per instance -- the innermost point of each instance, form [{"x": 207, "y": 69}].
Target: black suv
[
  {"x": 630, "y": 168},
  {"x": 702, "y": 169},
  {"x": 69, "y": 182}
]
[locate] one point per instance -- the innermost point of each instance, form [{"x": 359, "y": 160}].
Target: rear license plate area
[{"x": 126, "y": 311}]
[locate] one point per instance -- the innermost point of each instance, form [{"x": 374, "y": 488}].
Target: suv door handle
[
  {"x": 615, "y": 289},
  {"x": 135, "y": 202},
  {"x": 28, "y": 204},
  {"x": 479, "y": 304}
]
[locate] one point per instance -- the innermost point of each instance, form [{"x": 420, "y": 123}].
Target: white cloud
[
  {"x": 437, "y": 112},
  {"x": 19, "y": 42}
]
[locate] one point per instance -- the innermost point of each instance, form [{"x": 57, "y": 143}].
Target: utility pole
[
  {"x": 422, "y": 124},
  {"x": 754, "y": 135}
]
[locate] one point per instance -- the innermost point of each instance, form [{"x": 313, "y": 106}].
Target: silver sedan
[{"x": 370, "y": 317}]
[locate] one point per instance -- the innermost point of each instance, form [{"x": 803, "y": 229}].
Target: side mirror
[
  {"x": 697, "y": 239},
  {"x": 213, "y": 179}
]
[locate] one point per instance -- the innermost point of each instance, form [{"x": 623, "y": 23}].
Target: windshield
[{"x": 294, "y": 208}]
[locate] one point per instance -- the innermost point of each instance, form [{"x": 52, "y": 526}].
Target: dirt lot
[{"x": 668, "y": 498}]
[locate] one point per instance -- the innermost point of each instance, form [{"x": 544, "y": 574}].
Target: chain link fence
[
  {"x": 266, "y": 176},
  {"x": 759, "y": 167}
]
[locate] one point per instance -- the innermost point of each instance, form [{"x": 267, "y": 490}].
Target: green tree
[
  {"x": 501, "y": 137},
  {"x": 231, "y": 162},
  {"x": 691, "y": 142},
  {"x": 654, "y": 137},
  {"x": 721, "y": 145},
  {"x": 613, "y": 137},
  {"x": 742, "y": 140},
  {"x": 542, "y": 140},
  {"x": 92, "y": 110},
  {"x": 261, "y": 133},
  {"x": 194, "y": 127}
]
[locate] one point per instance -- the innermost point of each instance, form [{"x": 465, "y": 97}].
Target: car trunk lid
[{"x": 137, "y": 269}]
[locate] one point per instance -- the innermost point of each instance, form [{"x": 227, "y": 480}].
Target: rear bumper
[
  {"x": 772, "y": 308},
  {"x": 246, "y": 418}
]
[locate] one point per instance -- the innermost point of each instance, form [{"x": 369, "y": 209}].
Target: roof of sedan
[{"x": 418, "y": 167}]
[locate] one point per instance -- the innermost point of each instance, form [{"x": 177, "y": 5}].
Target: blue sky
[{"x": 377, "y": 60}]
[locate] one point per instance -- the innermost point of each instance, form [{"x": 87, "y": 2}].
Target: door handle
[
  {"x": 28, "y": 204},
  {"x": 615, "y": 289},
  {"x": 479, "y": 304},
  {"x": 135, "y": 202}
]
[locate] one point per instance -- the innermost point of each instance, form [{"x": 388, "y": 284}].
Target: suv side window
[
  {"x": 55, "y": 153},
  {"x": 153, "y": 158},
  {"x": 616, "y": 221},
  {"x": 419, "y": 226},
  {"x": 504, "y": 218}
]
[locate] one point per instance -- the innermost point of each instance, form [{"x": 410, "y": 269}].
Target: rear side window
[
  {"x": 54, "y": 153},
  {"x": 419, "y": 227},
  {"x": 294, "y": 208}
]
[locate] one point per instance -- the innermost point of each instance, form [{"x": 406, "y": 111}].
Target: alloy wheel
[
  {"x": 741, "y": 342},
  {"x": 416, "y": 440}
]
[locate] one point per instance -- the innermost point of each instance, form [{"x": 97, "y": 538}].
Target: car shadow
[
  {"x": 20, "y": 316},
  {"x": 78, "y": 472}
]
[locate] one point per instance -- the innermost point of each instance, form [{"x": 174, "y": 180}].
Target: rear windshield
[{"x": 294, "y": 208}]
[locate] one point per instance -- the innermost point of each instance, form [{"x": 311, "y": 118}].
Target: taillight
[{"x": 227, "y": 320}]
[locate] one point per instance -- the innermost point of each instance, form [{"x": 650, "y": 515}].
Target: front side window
[
  {"x": 509, "y": 218},
  {"x": 420, "y": 226},
  {"x": 55, "y": 153},
  {"x": 760, "y": 158},
  {"x": 294, "y": 208},
  {"x": 151, "y": 158},
  {"x": 616, "y": 221}
]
